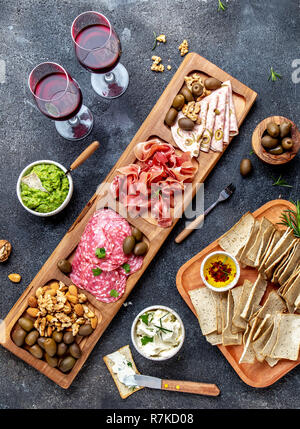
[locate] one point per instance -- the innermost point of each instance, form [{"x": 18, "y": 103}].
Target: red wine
[
  {"x": 97, "y": 49},
  {"x": 54, "y": 100}
]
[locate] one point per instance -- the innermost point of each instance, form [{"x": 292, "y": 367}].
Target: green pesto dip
[{"x": 54, "y": 181}]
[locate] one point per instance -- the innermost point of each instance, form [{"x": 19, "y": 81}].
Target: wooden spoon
[{"x": 83, "y": 156}]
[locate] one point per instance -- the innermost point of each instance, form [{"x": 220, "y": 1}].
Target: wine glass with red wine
[
  {"x": 98, "y": 49},
  {"x": 59, "y": 97}
]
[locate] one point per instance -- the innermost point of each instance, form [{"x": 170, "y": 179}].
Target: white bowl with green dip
[{"x": 50, "y": 188}]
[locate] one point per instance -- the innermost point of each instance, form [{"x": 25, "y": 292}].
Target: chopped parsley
[
  {"x": 96, "y": 271},
  {"x": 100, "y": 253},
  {"x": 126, "y": 268},
  {"x": 114, "y": 293},
  {"x": 145, "y": 340},
  {"x": 129, "y": 364},
  {"x": 145, "y": 318}
]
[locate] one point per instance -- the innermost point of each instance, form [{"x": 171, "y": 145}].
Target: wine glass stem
[
  {"x": 109, "y": 77},
  {"x": 74, "y": 121}
]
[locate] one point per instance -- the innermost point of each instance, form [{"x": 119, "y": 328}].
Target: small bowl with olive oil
[{"x": 220, "y": 271}]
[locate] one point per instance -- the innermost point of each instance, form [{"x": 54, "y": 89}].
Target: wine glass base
[
  {"x": 78, "y": 127},
  {"x": 114, "y": 88}
]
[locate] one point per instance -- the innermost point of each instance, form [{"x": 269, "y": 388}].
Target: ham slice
[
  {"x": 218, "y": 134},
  {"x": 210, "y": 122}
]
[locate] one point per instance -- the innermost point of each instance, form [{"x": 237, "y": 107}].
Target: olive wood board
[
  {"x": 263, "y": 154},
  {"x": 188, "y": 278},
  {"x": 153, "y": 126}
]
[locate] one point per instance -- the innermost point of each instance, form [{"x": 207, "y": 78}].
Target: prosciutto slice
[{"x": 152, "y": 184}]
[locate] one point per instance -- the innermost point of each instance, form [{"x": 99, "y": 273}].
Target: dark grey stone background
[{"x": 245, "y": 40}]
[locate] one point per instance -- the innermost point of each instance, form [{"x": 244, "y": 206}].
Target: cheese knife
[{"x": 172, "y": 385}]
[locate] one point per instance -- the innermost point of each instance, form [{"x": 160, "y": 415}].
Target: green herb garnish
[
  {"x": 114, "y": 293},
  {"x": 126, "y": 268},
  {"x": 163, "y": 329},
  {"x": 155, "y": 42},
  {"x": 251, "y": 152},
  {"x": 145, "y": 340},
  {"x": 129, "y": 364},
  {"x": 100, "y": 252},
  {"x": 291, "y": 218},
  {"x": 281, "y": 182},
  {"x": 96, "y": 271},
  {"x": 273, "y": 75},
  {"x": 145, "y": 319},
  {"x": 221, "y": 6}
]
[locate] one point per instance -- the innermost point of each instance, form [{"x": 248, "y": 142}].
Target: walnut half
[{"x": 5, "y": 250}]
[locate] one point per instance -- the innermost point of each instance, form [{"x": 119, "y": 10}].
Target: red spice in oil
[{"x": 219, "y": 271}]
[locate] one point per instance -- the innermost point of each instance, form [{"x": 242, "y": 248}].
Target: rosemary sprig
[
  {"x": 274, "y": 76},
  {"x": 291, "y": 218},
  {"x": 281, "y": 182},
  {"x": 155, "y": 41},
  {"x": 221, "y": 6}
]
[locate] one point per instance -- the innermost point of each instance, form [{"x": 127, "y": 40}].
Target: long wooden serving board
[
  {"x": 188, "y": 278},
  {"x": 153, "y": 126}
]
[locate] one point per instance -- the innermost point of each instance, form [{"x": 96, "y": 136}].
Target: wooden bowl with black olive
[{"x": 276, "y": 140}]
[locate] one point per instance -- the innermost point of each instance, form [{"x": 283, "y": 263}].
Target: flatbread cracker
[
  {"x": 251, "y": 239},
  {"x": 234, "y": 239},
  {"x": 288, "y": 338},
  {"x": 237, "y": 320},
  {"x": 228, "y": 338},
  {"x": 254, "y": 297},
  {"x": 293, "y": 261},
  {"x": 252, "y": 254},
  {"x": 204, "y": 304},
  {"x": 122, "y": 388}
]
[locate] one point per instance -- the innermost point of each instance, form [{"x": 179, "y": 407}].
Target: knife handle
[
  {"x": 190, "y": 387},
  {"x": 84, "y": 155}
]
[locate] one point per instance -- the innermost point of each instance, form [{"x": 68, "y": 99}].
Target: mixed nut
[
  {"x": 5, "y": 250},
  {"x": 277, "y": 138},
  {"x": 188, "y": 100},
  {"x": 57, "y": 316}
]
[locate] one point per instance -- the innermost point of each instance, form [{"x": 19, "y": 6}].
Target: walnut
[
  {"x": 75, "y": 329},
  {"x": 161, "y": 38},
  {"x": 82, "y": 298},
  {"x": 191, "y": 110},
  {"x": 184, "y": 47},
  {"x": 5, "y": 250},
  {"x": 156, "y": 66}
]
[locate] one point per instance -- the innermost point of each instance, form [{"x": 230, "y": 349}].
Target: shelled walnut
[{"x": 5, "y": 250}]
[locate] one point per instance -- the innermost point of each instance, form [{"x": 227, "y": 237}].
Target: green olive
[
  {"x": 278, "y": 150},
  {"x": 245, "y": 167},
  {"x": 287, "y": 143},
  {"x": 31, "y": 338},
  {"x": 269, "y": 142},
  {"x": 187, "y": 94},
  {"x": 75, "y": 351},
  {"x": 171, "y": 117},
  {"x": 50, "y": 346},
  {"x": 178, "y": 102},
  {"x": 285, "y": 129},
  {"x": 64, "y": 266},
  {"x": 41, "y": 342},
  {"x": 61, "y": 349},
  {"x": 26, "y": 323},
  {"x": 197, "y": 89},
  {"x": 18, "y": 336},
  {"x": 85, "y": 330},
  {"x": 137, "y": 234},
  {"x": 186, "y": 124},
  {"x": 273, "y": 129},
  {"x": 128, "y": 244},
  {"x": 57, "y": 336},
  {"x": 36, "y": 351},
  {"x": 69, "y": 338},
  {"x": 140, "y": 249},
  {"x": 212, "y": 83},
  {"x": 67, "y": 364},
  {"x": 51, "y": 360}
]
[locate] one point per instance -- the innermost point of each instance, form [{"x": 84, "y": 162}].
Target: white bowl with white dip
[{"x": 157, "y": 333}]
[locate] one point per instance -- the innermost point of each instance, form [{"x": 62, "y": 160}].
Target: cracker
[
  {"x": 122, "y": 388},
  {"x": 290, "y": 266},
  {"x": 264, "y": 225},
  {"x": 228, "y": 338},
  {"x": 251, "y": 239},
  {"x": 237, "y": 320},
  {"x": 254, "y": 298},
  {"x": 204, "y": 304},
  {"x": 234, "y": 239},
  {"x": 288, "y": 338}
]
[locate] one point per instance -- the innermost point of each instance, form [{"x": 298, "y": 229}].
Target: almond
[
  {"x": 49, "y": 331},
  {"x": 33, "y": 312},
  {"x": 73, "y": 290},
  {"x": 78, "y": 309},
  {"x": 54, "y": 285},
  {"x": 50, "y": 292},
  {"x": 94, "y": 322},
  {"x": 32, "y": 301},
  {"x": 14, "y": 277},
  {"x": 72, "y": 298}
]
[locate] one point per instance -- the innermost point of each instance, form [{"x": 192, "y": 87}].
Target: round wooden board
[{"x": 266, "y": 156}]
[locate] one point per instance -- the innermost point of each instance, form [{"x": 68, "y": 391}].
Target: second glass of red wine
[
  {"x": 98, "y": 49},
  {"x": 59, "y": 97}
]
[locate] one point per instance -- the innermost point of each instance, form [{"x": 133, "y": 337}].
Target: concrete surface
[{"x": 245, "y": 40}]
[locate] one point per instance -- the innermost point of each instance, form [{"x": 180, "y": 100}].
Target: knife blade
[{"x": 172, "y": 385}]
